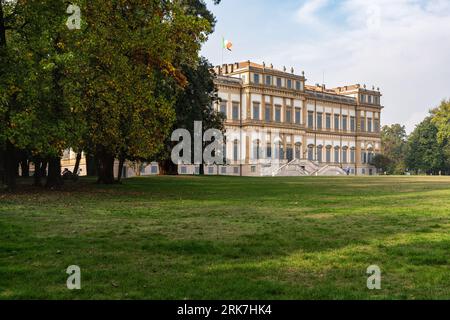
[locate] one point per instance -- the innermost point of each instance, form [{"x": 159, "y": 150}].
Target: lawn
[{"x": 229, "y": 238}]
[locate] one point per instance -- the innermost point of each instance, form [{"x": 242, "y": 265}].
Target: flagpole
[{"x": 223, "y": 41}]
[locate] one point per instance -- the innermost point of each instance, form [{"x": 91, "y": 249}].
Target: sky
[{"x": 400, "y": 46}]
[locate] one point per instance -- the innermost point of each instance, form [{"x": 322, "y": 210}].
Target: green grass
[{"x": 229, "y": 238}]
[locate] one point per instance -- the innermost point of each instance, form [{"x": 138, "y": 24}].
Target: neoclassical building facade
[{"x": 276, "y": 124}]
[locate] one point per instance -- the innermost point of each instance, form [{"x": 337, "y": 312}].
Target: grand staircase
[{"x": 298, "y": 167}]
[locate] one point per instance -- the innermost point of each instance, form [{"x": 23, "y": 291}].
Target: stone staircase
[
  {"x": 331, "y": 170},
  {"x": 298, "y": 168}
]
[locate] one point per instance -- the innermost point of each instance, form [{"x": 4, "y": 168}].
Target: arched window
[
  {"x": 370, "y": 155},
  {"x": 298, "y": 150},
  {"x": 336, "y": 154},
  {"x": 289, "y": 153},
  {"x": 363, "y": 156},
  {"x": 344, "y": 155},
  {"x": 320, "y": 153},
  {"x": 328, "y": 154},
  {"x": 256, "y": 150},
  {"x": 311, "y": 152}
]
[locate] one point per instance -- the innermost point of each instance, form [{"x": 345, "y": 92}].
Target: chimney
[
  {"x": 225, "y": 69},
  {"x": 231, "y": 68}
]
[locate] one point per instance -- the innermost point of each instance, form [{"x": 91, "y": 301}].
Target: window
[
  {"x": 256, "y": 78},
  {"x": 269, "y": 151},
  {"x": 210, "y": 170},
  {"x": 363, "y": 157},
  {"x": 256, "y": 150},
  {"x": 298, "y": 151},
  {"x": 319, "y": 121},
  {"x": 267, "y": 113},
  {"x": 183, "y": 170},
  {"x": 235, "y": 111},
  {"x": 369, "y": 124},
  {"x": 223, "y": 170},
  {"x": 377, "y": 125},
  {"x": 288, "y": 115},
  {"x": 268, "y": 80},
  {"x": 328, "y": 155},
  {"x": 363, "y": 98},
  {"x": 289, "y": 153},
  {"x": 310, "y": 153},
  {"x": 255, "y": 111},
  {"x": 297, "y": 115},
  {"x": 154, "y": 169},
  {"x": 344, "y": 155},
  {"x": 279, "y": 82},
  {"x": 352, "y": 124},
  {"x": 319, "y": 153},
  {"x": 363, "y": 124},
  {"x": 298, "y": 85},
  {"x": 352, "y": 155},
  {"x": 328, "y": 121},
  {"x": 289, "y": 84},
  {"x": 236, "y": 150},
  {"x": 310, "y": 119},
  {"x": 278, "y": 114},
  {"x": 370, "y": 157},
  {"x": 344, "y": 123},
  {"x": 223, "y": 108},
  {"x": 236, "y": 170},
  {"x": 336, "y": 154},
  {"x": 253, "y": 169},
  {"x": 336, "y": 122}
]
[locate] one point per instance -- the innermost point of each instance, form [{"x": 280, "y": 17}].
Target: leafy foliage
[{"x": 393, "y": 139}]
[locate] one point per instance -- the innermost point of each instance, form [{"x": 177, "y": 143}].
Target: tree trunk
[
  {"x": 77, "y": 165},
  {"x": 54, "y": 179},
  {"x": 44, "y": 165},
  {"x": 105, "y": 168},
  {"x": 119, "y": 172},
  {"x": 2, "y": 27},
  {"x": 25, "y": 167},
  {"x": 10, "y": 163},
  {"x": 91, "y": 166},
  {"x": 37, "y": 173},
  {"x": 168, "y": 168}
]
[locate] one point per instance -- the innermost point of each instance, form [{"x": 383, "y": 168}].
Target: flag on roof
[{"x": 227, "y": 44}]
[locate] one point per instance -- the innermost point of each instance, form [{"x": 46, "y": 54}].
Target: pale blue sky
[{"x": 402, "y": 46}]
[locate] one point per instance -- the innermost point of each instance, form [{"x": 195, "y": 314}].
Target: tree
[
  {"x": 35, "y": 120},
  {"x": 425, "y": 152},
  {"x": 381, "y": 162},
  {"x": 441, "y": 119},
  {"x": 195, "y": 103},
  {"x": 128, "y": 65},
  {"x": 393, "y": 141}
]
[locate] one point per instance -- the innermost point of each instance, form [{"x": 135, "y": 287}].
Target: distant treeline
[{"x": 425, "y": 151}]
